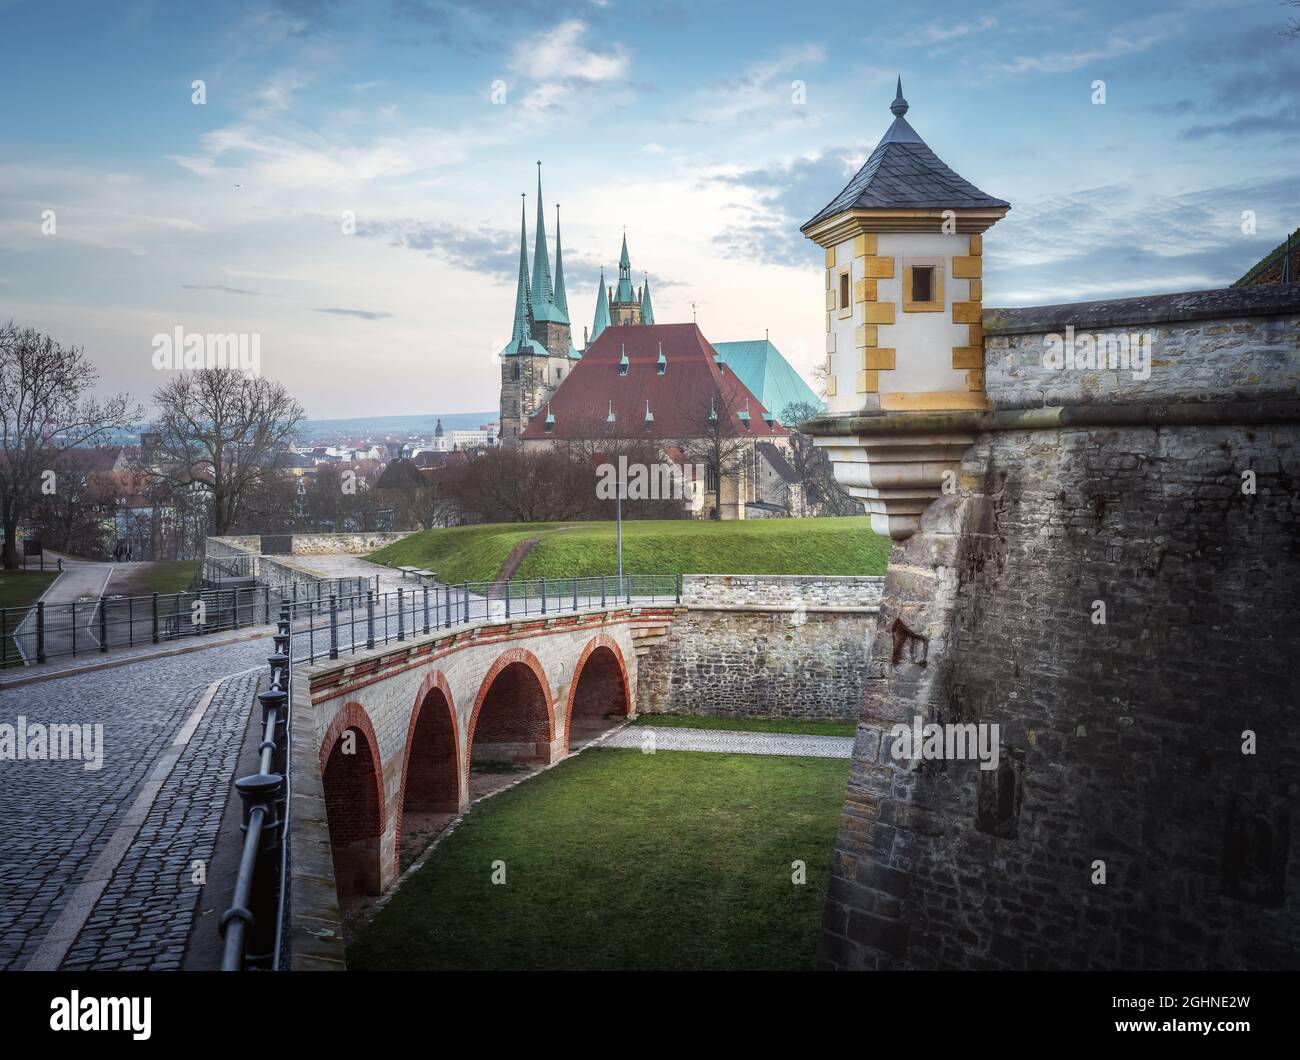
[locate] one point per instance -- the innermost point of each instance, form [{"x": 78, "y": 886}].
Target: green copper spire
[
  {"x": 647, "y": 310},
  {"x": 623, "y": 261},
  {"x": 541, "y": 262},
  {"x": 561, "y": 298},
  {"x": 523, "y": 301},
  {"x": 602, "y": 311},
  {"x": 623, "y": 293}
]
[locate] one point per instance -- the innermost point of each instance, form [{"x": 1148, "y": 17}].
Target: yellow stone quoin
[
  {"x": 864, "y": 291},
  {"x": 879, "y": 358},
  {"x": 864, "y": 244},
  {"x": 878, "y": 268},
  {"x": 830, "y": 257},
  {"x": 868, "y": 382},
  {"x": 968, "y": 356},
  {"x": 967, "y": 313},
  {"x": 967, "y": 268},
  {"x": 866, "y": 335},
  {"x": 878, "y": 312}
]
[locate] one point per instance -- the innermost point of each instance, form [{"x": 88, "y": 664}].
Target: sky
[{"x": 709, "y": 131}]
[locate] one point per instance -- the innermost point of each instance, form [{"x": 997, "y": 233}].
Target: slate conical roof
[{"x": 902, "y": 173}]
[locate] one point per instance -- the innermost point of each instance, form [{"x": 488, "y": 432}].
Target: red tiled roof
[{"x": 678, "y": 398}]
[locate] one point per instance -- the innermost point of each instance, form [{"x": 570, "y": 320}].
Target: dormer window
[
  {"x": 922, "y": 285},
  {"x": 743, "y": 415},
  {"x": 662, "y": 364},
  {"x": 649, "y": 416},
  {"x": 610, "y": 417},
  {"x": 623, "y": 362},
  {"x": 550, "y": 419}
]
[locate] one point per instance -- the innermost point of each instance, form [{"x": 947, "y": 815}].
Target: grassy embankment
[{"x": 674, "y": 546}]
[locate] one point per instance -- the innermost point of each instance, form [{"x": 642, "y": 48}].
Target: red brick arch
[
  {"x": 355, "y": 814},
  {"x": 506, "y": 659},
  {"x": 436, "y": 679},
  {"x": 600, "y": 640}
]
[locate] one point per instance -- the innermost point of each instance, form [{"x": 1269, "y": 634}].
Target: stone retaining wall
[{"x": 791, "y": 591}]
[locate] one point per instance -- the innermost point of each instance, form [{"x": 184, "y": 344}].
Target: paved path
[
  {"x": 57, "y": 819},
  {"x": 728, "y": 742}
]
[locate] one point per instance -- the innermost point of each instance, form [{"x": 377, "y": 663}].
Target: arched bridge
[{"x": 387, "y": 741}]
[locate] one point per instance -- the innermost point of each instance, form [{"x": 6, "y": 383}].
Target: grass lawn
[
  {"x": 163, "y": 577},
  {"x": 19, "y": 589},
  {"x": 620, "y": 860},
  {"x": 794, "y": 725},
  {"x": 673, "y": 546}
]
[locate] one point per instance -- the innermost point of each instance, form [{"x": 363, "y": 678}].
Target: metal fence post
[
  {"x": 425, "y": 590},
  {"x": 370, "y": 619},
  {"x": 679, "y": 588},
  {"x": 334, "y": 627},
  {"x": 153, "y": 605},
  {"x": 401, "y": 618},
  {"x": 575, "y": 593},
  {"x": 40, "y": 630},
  {"x": 467, "y": 601},
  {"x": 543, "y": 596},
  {"x": 103, "y": 626},
  {"x": 266, "y": 604},
  {"x": 507, "y": 598},
  {"x": 236, "y": 608},
  {"x": 602, "y": 590}
]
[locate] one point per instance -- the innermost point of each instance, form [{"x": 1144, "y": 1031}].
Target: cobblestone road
[{"x": 57, "y": 817}]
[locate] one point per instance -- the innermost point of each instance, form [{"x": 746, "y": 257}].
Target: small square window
[
  {"x": 845, "y": 290},
  {"x": 923, "y": 283}
]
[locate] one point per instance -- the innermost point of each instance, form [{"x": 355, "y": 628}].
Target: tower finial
[{"x": 899, "y": 106}]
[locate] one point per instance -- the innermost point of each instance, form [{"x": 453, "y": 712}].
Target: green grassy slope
[{"x": 769, "y": 546}]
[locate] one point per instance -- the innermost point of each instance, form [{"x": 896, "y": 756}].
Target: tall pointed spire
[
  {"x": 624, "y": 262},
  {"x": 542, "y": 289},
  {"x": 647, "y": 310},
  {"x": 623, "y": 293},
  {"x": 602, "y": 311},
  {"x": 521, "y": 336},
  {"x": 561, "y": 298}
]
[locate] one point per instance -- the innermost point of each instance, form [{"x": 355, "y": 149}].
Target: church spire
[
  {"x": 522, "y": 332},
  {"x": 561, "y": 298},
  {"x": 541, "y": 261},
  {"x": 602, "y": 311},
  {"x": 647, "y": 310}
]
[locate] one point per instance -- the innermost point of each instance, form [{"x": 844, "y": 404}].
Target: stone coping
[
  {"x": 1150, "y": 414},
  {"x": 1223, "y": 303}
]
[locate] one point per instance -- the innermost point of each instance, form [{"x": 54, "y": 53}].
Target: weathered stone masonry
[
  {"x": 764, "y": 646},
  {"x": 1122, "y": 742}
]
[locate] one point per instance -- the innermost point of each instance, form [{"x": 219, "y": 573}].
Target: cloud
[
  {"x": 944, "y": 32},
  {"x": 492, "y": 251},
  {"x": 760, "y": 89},
  {"x": 1276, "y": 123},
  {"x": 559, "y": 64},
  {"x": 1118, "y": 45},
  {"x": 219, "y": 287},
  {"x": 364, "y": 314}
]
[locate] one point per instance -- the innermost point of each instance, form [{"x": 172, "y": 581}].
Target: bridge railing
[
  {"x": 253, "y": 927},
  {"x": 361, "y": 621}
]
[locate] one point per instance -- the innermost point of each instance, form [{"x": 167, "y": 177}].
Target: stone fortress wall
[{"x": 1121, "y": 742}]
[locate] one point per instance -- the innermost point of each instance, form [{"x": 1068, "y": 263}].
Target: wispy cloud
[
  {"x": 363, "y": 314},
  {"x": 558, "y": 63},
  {"x": 219, "y": 287}
]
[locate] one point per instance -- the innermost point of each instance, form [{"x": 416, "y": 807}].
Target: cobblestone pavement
[
  {"x": 744, "y": 743},
  {"x": 56, "y": 817},
  {"x": 143, "y": 917}
]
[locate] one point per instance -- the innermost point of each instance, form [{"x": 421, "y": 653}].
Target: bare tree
[
  {"x": 1292, "y": 28},
  {"x": 716, "y": 441},
  {"x": 220, "y": 432},
  {"x": 45, "y": 409},
  {"x": 812, "y": 468}
]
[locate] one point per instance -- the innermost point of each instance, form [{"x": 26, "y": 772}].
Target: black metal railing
[
  {"x": 42, "y": 631},
  {"x": 253, "y": 927},
  {"x": 362, "y": 621}
]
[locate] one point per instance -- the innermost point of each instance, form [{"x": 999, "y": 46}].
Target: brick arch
[
  {"x": 508, "y": 658},
  {"x": 600, "y": 640},
  {"x": 433, "y": 681},
  {"x": 354, "y": 804}
]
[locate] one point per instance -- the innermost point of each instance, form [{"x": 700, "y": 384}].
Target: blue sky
[{"x": 677, "y": 120}]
